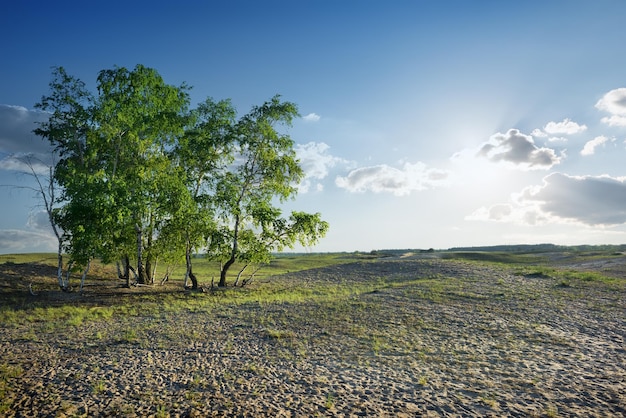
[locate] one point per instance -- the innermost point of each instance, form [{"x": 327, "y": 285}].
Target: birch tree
[
  {"x": 69, "y": 105},
  {"x": 265, "y": 172},
  {"x": 203, "y": 153}
]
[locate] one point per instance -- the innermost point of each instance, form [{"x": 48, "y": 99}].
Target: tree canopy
[{"x": 143, "y": 176}]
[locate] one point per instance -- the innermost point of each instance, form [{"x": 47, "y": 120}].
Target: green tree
[
  {"x": 141, "y": 173},
  {"x": 203, "y": 153},
  {"x": 139, "y": 118},
  {"x": 69, "y": 105},
  {"x": 265, "y": 171},
  {"x": 119, "y": 183}
]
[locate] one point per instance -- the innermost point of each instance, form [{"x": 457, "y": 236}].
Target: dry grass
[{"x": 412, "y": 336}]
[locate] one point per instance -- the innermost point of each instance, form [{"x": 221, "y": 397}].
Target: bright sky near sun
[{"x": 425, "y": 124}]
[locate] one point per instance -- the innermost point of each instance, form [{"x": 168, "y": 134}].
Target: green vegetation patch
[{"x": 495, "y": 257}]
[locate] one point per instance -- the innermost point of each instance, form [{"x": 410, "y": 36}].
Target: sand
[{"x": 444, "y": 338}]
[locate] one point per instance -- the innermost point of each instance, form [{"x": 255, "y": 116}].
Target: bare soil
[{"x": 436, "y": 338}]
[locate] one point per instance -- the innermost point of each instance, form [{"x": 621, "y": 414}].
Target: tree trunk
[
  {"x": 194, "y": 280},
  {"x": 189, "y": 273},
  {"x": 149, "y": 276},
  {"x": 127, "y": 270},
  {"x": 62, "y": 283},
  {"x": 141, "y": 274},
  {"x": 82, "y": 279},
  {"x": 224, "y": 270},
  {"x": 239, "y": 274},
  {"x": 66, "y": 286},
  {"x": 154, "y": 270},
  {"x": 149, "y": 272},
  {"x": 233, "y": 254}
]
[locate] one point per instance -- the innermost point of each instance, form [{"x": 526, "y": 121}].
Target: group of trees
[{"x": 139, "y": 176}]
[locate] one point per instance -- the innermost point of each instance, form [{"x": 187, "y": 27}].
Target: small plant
[
  {"x": 197, "y": 381},
  {"x": 379, "y": 344},
  {"x": 99, "y": 386},
  {"x": 330, "y": 401},
  {"x": 10, "y": 372},
  {"x": 162, "y": 412},
  {"x": 192, "y": 396},
  {"x": 130, "y": 336},
  {"x": 490, "y": 401},
  {"x": 279, "y": 334},
  {"x": 552, "y": 411}
]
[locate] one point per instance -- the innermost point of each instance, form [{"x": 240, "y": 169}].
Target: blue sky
[{"x": 424, "y": 123}]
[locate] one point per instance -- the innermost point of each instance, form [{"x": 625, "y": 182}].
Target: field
[{"x": 384, "y": 334}]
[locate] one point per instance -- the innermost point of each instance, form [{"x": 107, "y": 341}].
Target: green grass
[
  {"x": 40, "y": 258},
  {"x": 282, "y": 263},
  {"x": 61, "y": 316},
  {"x": 19, "y": 310},
  {"x": 272, "y": 289},
  {"x": 496, "y": 257},
  {"x": 537, "y": 265},
  {"x": 565, "y": 276},
  {"x": 394, "y": 314},
  {"x": 8, "y": 373}
]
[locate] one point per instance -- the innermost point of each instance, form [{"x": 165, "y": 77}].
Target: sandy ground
[{"x": 443, "y": 338}]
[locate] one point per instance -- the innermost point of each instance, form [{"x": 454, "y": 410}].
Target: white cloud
[
  {"x": 17, "y": 241},
  {"x": 538, "y": 133},
  {"x": 16, "y": 130},
  {"x": 518, "y": 150},
  {"x": 591, "y": 200},
  {"x": 23, "y": 162},
  {"x": 566, "y": 127},
  {"x": 613, "y": 102},
  {"x": 615, "y": 120},
  {"x": 563, "y": 199},
  {"x": 316, "y": 163},
  {"x": 386, "y": 179},
  {"x": 590, "y": 146},
  {"x": 311, "y": 117},
  {"x": 557, "y": 139},
  {"x": 511, "y": 213}
]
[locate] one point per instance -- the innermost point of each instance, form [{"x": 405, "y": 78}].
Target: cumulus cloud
[
  {"x": 16, "y": 130},
  {"x": 557, "y": 139},
  {"x": 386, "y": 179},
  {"x": 590, "y": 146},
  {"x": 588, "y": 200},
  {"x": 518, "y": 150},
  {"x": 615, "y": 120},
  {"x": 591, "y": 200},
  {"x": 566, "y": 127},
  {"x": 26, "y": 163},
  {"x": 316, "y": 162},
  {"x": 311, "y": 117},
  {"x": 18, "y": 241},
  {"x": 614, "y": 102},
  {"x": 529, "y": 214},
  {"x": 538, "y": 133},
  {"x": 36, "y": 237}
]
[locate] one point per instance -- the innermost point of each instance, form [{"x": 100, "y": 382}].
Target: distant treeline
[{"x": 540, "y": 248}]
